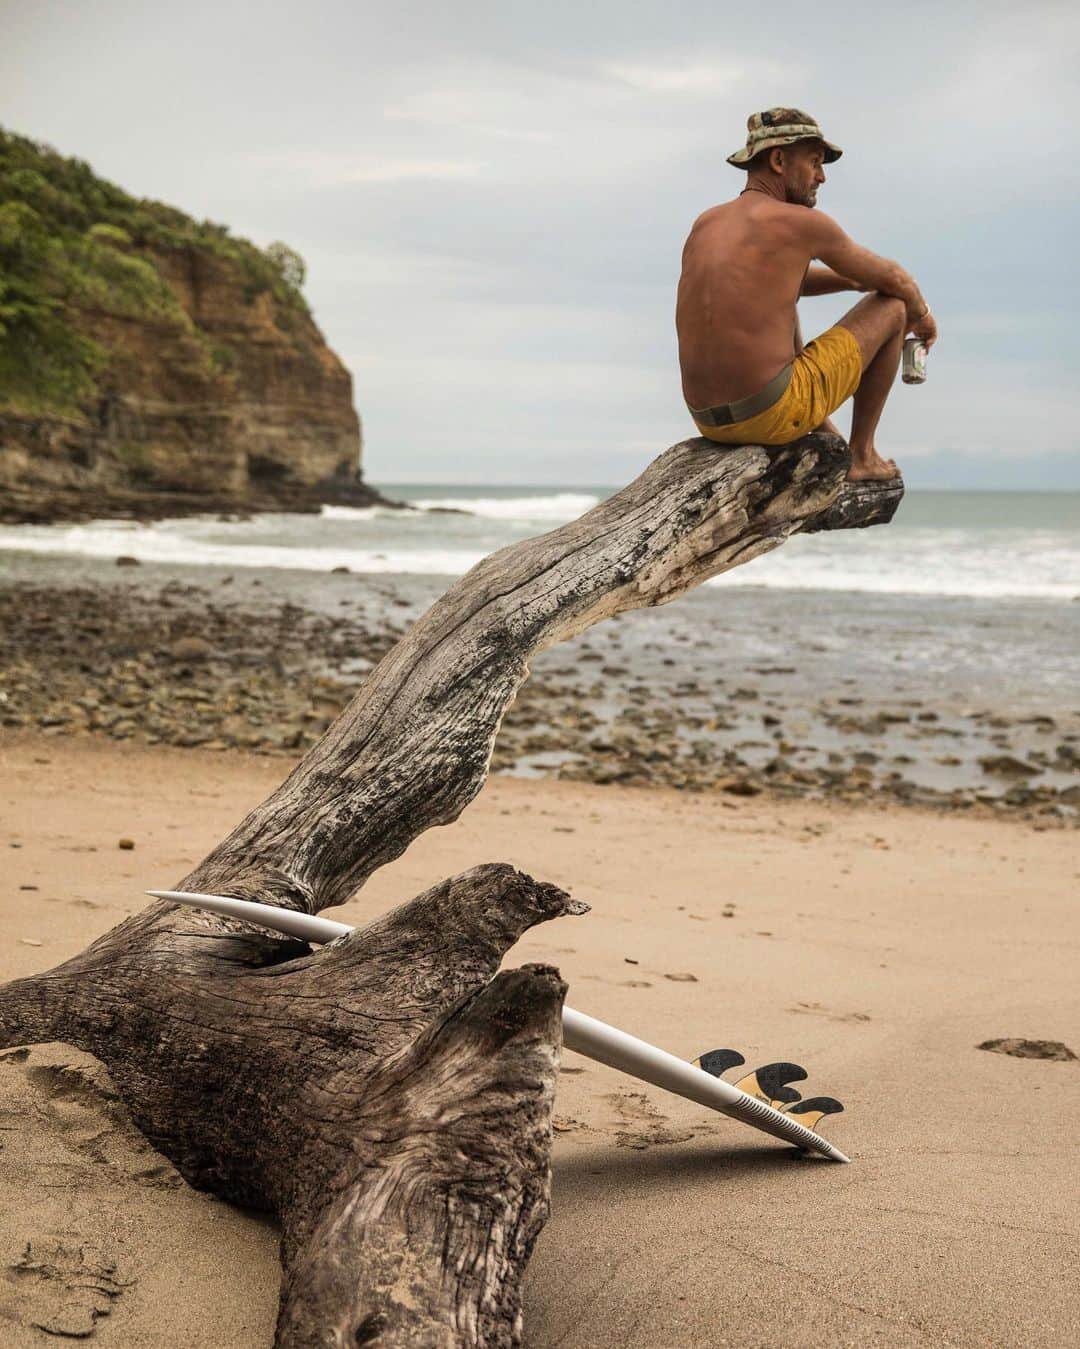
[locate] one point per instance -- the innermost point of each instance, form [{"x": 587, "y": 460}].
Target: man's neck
[{"x": 766, "y": 188}]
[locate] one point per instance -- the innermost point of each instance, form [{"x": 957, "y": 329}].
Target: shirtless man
[{"x": 747, "y": 379}]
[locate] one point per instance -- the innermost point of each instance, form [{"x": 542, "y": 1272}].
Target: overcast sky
[{"x": 492, "y": 199}]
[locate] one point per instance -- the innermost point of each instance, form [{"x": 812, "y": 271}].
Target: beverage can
[{"x": 914, "y": 365}]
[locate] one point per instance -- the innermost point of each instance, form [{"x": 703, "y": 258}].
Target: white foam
[
  {"x": 557, "y": 506},
  {"x": 157, "y": 543},
  {"x": 976, "y": 562},
  {"x": 1033, "y": 564},
  {"x": 357, "y": 512}
]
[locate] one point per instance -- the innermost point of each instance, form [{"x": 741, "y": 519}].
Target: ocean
[
  {"x": 931, "y": 645},
  {"x": 980, "y": 545}
]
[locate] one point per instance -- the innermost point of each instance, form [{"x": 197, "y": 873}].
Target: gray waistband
[{"x": 745, "y": 408}]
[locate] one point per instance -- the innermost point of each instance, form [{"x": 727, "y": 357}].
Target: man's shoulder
[
  {"x": 781, "y": 223},
  {"x": 710, "y": 214},
  {"x": 788, "y": 215}
]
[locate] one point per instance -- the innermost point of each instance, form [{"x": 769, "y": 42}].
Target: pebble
[
  {"x": 1008, "y": 765},
  {"x": 1030, "y": 1049},
  {"x": 191, "y": 649}
]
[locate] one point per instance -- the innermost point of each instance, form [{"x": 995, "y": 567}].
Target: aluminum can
[{"x": 914, "y": 364}]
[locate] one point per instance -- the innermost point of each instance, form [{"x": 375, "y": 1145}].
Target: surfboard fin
[
  {"x": 716, "y": 1062},
  {"x": 769, "y": 1083},
  {"x": 811, "y": 1112}
]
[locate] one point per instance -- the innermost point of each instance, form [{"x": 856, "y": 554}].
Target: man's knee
[
  {"x": 896, "y": 310},
  {"x": 887, "y": 311},
  {"x": 875, "y": 321}
]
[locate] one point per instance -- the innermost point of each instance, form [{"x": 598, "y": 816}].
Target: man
[{"x": 747, "y": 379}]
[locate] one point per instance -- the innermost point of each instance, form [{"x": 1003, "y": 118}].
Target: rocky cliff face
[{"x": 167, "y": 367}]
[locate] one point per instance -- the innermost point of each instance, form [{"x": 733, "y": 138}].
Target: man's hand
[{"x": 925, "y": 329}]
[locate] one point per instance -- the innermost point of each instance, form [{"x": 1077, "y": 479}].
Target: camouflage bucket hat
[{"x": 780, "y": 126}]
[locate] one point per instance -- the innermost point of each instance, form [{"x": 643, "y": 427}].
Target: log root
[{"x": 388, "y": 1096}]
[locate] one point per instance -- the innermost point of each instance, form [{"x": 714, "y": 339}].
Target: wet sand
[{"x": 875, "y": 944}]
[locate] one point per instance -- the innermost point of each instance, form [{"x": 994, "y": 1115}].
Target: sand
[{"x": 877, "y": 945}]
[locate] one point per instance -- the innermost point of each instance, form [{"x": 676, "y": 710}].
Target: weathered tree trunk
[{"x": 389, "y": 1096}]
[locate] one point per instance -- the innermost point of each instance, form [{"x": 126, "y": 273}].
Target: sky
[{"x": 492, "y": 199}]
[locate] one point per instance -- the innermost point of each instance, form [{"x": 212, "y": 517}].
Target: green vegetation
[{"x": 74, "y": 247}]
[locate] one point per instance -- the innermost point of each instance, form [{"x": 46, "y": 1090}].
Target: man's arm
[
  {"x": 824, "y": 281},
  {"x": 872, "y": 272}
]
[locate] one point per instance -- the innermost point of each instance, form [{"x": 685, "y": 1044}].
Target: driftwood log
[{"x": 389, "y": 1096}]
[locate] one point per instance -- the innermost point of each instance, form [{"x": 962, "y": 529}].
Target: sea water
[{"x": 977, "y": 544}]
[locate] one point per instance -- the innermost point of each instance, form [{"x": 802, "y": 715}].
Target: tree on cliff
[
  {"x": 74, "y": 247},
  {"x": 289, "y": 262}
]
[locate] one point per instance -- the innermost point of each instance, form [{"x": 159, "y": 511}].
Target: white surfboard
[{"x": 582, "y": 1034}]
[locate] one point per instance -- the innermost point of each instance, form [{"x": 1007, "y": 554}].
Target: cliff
[{"x": 151, "y": 364}]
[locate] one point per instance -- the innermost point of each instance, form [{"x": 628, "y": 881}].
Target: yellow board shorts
[{"x": 823, "y": 375}]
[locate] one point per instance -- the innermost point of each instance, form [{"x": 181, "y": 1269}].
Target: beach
[
  {"x": 453, "y": 474},
  {"x": 822, "y": 812},
  {"x": 876, "y": 944}
]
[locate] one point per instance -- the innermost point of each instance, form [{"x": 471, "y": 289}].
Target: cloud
[
  {"x": 492, "y": 198},
  {"x": 407, "y": 170},
  {"x": 324, "y": 168},
  {"x": 704, "y": 77}
]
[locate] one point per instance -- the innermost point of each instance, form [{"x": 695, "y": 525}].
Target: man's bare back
[
  {"x": 743, "y": 266},
  {"x": 746, "y": 263}
]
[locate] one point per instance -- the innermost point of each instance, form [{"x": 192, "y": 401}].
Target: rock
[
  {"x": 191, "y": 650},
  {"x": 126, "y": 560},
  {"x": 164, "y": 427},
  {"x": 1030, "y": 1049},
  {"x": 125, "y": 844},
  {"x": 339, "y": 571},
  {"x": 1007, "y": 765}
]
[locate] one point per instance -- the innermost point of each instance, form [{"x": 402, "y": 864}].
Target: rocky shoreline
[
  {"x": 58, "y": 505},
  {"x": 233, "y": 665}
]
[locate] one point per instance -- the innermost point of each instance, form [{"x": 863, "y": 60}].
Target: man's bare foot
[{"x": 872, "y": 467}]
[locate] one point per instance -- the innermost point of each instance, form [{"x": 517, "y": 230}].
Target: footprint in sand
[
  {"x": 79, "y": 1103},
  {"x": 648, "y": 1127},
  {"x": 819, "y": 1009},
  {"x": 61, "y": 1287}
]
